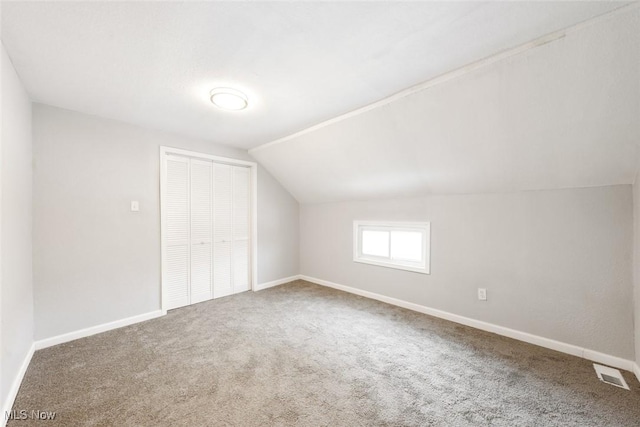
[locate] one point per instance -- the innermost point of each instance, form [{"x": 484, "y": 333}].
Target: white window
[{"x": 401, "y": 245}]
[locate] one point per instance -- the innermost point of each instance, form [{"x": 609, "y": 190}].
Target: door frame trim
[{"x": 253, "y": 166}]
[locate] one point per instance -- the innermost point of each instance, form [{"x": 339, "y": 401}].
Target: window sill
[{"x": 414, "y": 269}]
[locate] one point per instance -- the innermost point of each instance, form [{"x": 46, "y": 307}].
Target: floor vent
[{"x": 610, "y": 376}]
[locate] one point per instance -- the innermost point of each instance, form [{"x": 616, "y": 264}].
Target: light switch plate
[
  {"x": 135, "y": 206},
  {"x": 482, "y": 294}
]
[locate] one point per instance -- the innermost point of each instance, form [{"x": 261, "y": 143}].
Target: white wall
[
  {"x": 16, "y": 307},
  {"x": 556, "y": 263},
  {"x": 636, "y": 265},
  {"x": 278, "y": 227},
  {"x": 94, "y": 260}
]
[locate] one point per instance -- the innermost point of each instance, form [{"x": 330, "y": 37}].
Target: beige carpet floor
[{"x": 304, "y": 355}]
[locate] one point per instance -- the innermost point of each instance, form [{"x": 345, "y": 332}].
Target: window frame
[{"x": 423, "y": 266}]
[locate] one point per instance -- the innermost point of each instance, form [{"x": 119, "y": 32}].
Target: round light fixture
[{"x": 229, "y": 99}]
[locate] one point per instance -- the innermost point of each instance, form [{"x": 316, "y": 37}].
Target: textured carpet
[{"x": 304, "y": 355}]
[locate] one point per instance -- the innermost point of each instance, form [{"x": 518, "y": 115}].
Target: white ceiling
[
  {"x": 564, "y": 114},
  {"x": 153, "y": 63}
]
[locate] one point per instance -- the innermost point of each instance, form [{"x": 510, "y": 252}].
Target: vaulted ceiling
[
  {"x": 560, "y": 114},
  {"x": 153, "y": 63}
]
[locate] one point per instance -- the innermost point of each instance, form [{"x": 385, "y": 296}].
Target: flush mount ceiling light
[{"x": 229, "y": 99}]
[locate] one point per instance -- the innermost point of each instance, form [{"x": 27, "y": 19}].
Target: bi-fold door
[
  {"x": 201, "y": 205},
  {"x": 206, "y": 230}
]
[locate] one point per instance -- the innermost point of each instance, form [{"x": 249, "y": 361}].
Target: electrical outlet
[{"x": 482, "y": 294}]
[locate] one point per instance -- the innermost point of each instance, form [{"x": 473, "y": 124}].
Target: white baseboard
[
  {"x": 607, "y": 359},
  {"x": 15, "y": 385},
  {"x": 636, "y": 370},
  {"x": 82, "y": 333},
  {"x": 278, "y": 282},
  {"x": 574, "y": 350}
]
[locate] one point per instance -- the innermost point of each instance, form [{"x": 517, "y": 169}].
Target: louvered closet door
[
  {"x": 176, "y": 288},
  {"x": 222, "y": 229},
  {"x": 201, "y": 228},
  {"x": 241, "y": 228}
]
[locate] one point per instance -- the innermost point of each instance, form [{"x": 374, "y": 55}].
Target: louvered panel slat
[
  {"x": 176, "y": 286},
  {"x": 177, "y": 193},
  {"x": 222, "y": 269},
  {"x": 201, "y": 201},
  {"x": 240, "y": 266},
  {"x": 241, "y": 228},
  {"x": 177, "y": 277},
  {"x": 222, "y": 203},
  {"x": 241, "y": 203},
  {"x": 201, "y": 272},
  {"x": 201, "y": 227},
  {"x": 222, "y": 232}
]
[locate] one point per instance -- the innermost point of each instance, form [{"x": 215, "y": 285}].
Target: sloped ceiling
[
  {"x": 561, "y": 115},
  {"x": 154, "y": 63}
]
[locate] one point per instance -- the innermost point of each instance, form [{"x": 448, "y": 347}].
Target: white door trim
[{"x": 253, "y": 166}]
